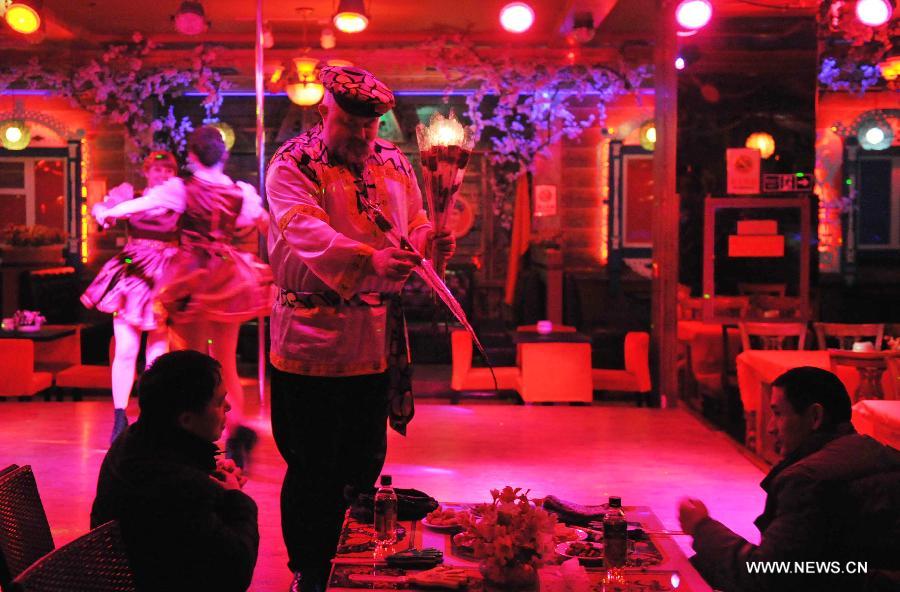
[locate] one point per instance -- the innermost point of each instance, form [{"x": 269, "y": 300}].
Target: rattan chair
[
  {"x": 24, "y": 531},
  {"x": 94, "y": 562}
]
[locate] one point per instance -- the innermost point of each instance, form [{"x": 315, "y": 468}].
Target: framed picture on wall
[{"x": 630, "y": 203}]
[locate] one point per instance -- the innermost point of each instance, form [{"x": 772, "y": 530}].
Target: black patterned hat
[{"x": 357, "y": 91}]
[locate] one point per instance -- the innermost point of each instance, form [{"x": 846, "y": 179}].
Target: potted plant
[
  {"x": 31, "y": 245},
  {"x": 512, "y": 539}
]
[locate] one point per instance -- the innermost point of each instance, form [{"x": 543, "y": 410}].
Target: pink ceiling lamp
[
  {"x": 516, "y": 17},
  {"x": 874, "y": 13},
  {"x": 190, "y": 18},
  {"x": 693, "y": 14}
]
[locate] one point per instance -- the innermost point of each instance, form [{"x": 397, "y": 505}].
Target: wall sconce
[
  {"x": 762, "y": 141},
  {"x": 875, "y": 135},
  {"x": 304, "y": 88},
  {"x": 15, "y": 135},
  {"x": 351, "y": 16},
  {"x": 890, "y": 68},
  {"x": 647, "y": 135},
  {"x": 23, "y": 17},
  {"x": 225, "y": 130},
  {"x": 190, "y": 18}
]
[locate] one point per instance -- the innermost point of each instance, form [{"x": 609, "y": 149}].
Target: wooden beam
[{"x": 665, "y": 211}]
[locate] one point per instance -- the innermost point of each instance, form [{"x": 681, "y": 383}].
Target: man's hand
[
  {"x": 442, "y": 244},
  {"x": 394, "y": 264},
  {"x": 226, "y": 480},
  {"x": 690, "y": 513},
  {"x": 226, "y": 465}
]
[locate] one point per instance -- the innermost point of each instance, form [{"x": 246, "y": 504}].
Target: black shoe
[
  {"x": 301, "y": 584},
  {"x": 120, "y": 422},
  {"x": 239, "y": 445}
]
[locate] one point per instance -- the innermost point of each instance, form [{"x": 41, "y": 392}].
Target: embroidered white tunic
[{"x": 320, "y": 241}]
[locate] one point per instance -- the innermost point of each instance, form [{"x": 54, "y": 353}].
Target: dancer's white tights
[
  {"x": 219, "y": 340},
  {"x": 128, "y": 345}
]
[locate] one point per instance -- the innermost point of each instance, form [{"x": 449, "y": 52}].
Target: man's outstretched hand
[{"x": 394, "y": 264}]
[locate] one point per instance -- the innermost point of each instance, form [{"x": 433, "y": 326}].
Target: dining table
[
  {"x": 758, "y": 369},
  {"x": 359, "y": 565}
]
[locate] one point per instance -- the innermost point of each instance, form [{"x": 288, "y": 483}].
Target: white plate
[
  {"x": 562, "y": 549},
  {"x": 580, "y": 535},
  {"x": 441, "y": 527}
]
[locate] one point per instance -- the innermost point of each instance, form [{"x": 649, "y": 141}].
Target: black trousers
[{"x": 332, "y": 433}]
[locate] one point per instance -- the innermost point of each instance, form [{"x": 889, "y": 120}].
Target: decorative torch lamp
[
  {"x": 762, "y": 141},
  {"x": 647, "y": 135},
  {"x": 445, "y": 147}
]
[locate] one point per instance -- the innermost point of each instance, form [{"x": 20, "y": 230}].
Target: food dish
[
  {"x": 588, "y": 554},
  {"x": 444, "y": 519},
  {"x": 565, "y": 534}
]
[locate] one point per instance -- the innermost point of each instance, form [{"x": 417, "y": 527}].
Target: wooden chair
[
  {"x": 718, "y": 388},
  {"x": 846, "y": 334},
  {"x": 635, "y": 378},
  {"x": 94, "y": 562},
  {"x": 754, "y": 289},
  {"x": 735, "y": 307},
  {"x": 778, "y": 307},
  {"x": 870, "y": 366},
  {"x": 24, "y": 531},
  {"x": 18, "y": 378},
  {"x": 467, "y": 378},
  {"x": 771, "y": 335}
]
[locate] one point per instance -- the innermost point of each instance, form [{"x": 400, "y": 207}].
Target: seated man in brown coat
[
  {"x": 185, "y": 522},
  {"x": 832, "y": 514}
]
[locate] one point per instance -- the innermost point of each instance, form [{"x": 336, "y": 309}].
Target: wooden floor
[{"x": 454, "y": 452}]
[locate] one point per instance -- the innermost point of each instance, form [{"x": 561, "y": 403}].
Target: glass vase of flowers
[
  {"x": 512, "y": 538},
  {"x": 28, "y": 320}
]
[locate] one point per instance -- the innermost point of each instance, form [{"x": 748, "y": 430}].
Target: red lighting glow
[
  {"x": 517, "y": 17},
  {"x": 693, "y": 14},
  {"x": 873, "y": 13}
]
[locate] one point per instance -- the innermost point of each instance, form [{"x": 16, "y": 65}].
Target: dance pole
[{"x": 261, "y": 157}]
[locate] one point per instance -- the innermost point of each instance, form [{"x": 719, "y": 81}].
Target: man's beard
[{"x": 354, "y": 152}]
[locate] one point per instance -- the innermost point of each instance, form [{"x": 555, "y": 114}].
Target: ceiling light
[
  {"x": 693, "y": 14},
  {"x": 15, "y": 135},
  {"x": 268, "y": 36},
  {"x": 351, "y": 16},
  {"x": 679, "y": 63},
  {"x": 874, "y": 13},
  {"x": 22, "y": 16},
  {"x": 517, "y": 17},
  {"x": 190, "y": 18},
  {"x": 762, "y": 141},
  {"x": 305, "y": 89},
  {"x": 327, "y": 39}
]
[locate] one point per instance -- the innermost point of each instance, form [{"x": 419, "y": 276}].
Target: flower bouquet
[
  {"x": 512, "y": 539},
  {"x": 445, "y": 147},
  {"x": 28, "y": 320}
]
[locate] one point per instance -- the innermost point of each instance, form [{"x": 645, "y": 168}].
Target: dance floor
[{"x": 649, "y": 457}]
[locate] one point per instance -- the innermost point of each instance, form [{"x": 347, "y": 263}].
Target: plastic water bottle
[
  {"x": 615, "y": 535},
  {"x": 385, "y": 513}
]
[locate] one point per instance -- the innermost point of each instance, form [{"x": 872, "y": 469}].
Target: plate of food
[
  {"x": 565, "y": 534},
  {"x": 444, "y": 519},
  {"x": 588, "y": 554}
]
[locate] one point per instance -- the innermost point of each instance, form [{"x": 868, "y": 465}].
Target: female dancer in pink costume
[
  {"x": 212, "y": 287},
  {"x": 127, "y": 283}
]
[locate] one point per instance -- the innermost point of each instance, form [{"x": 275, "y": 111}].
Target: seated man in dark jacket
[
  {"x": 185, "y": 521},
  {"x": 832, "y": 505}
]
